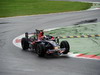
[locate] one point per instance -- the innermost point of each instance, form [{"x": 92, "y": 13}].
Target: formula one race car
[{"x": 44, "y": 44}]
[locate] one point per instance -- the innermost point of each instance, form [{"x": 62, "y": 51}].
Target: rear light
[{"x": 56, "y": 47}]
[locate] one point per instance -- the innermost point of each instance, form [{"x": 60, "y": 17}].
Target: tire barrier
[{"x": 82, "y": 36}]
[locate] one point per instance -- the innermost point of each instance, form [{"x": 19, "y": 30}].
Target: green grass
[
  {"x": 81, "y": 45},
  {"x": 31, "y": 7}
]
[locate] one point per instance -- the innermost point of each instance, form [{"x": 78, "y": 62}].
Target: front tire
[
  {"x": 41, "y": 50},
  {"x": 24, "y": 44},
  {"x": 65, "y": 44}
]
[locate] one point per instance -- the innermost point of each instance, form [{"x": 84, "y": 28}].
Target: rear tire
[
  {"x": 65, "y": 44},
  {"x": 41, "y": 50},
  {"x": 24, "y": 44}
]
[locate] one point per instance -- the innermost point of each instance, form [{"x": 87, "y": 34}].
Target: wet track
[{"x": 14, "y": 61}]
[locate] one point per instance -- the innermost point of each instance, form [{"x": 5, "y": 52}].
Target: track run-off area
[{"x": 17, "y": 43}]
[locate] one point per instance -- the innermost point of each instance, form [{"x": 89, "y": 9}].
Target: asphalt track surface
[{"x": 14, "y": 61}]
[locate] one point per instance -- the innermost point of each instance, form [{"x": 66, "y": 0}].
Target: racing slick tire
[
  {"x": 24, "y": 44},
  {"x": 65, "y": 44},
  {"x": 41, "y": 50}
]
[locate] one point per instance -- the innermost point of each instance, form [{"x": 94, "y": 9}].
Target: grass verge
[{"x": 30, "y": 7}]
